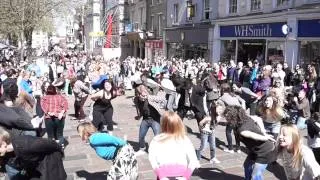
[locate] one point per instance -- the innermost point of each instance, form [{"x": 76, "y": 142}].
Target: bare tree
[{"x": 22, "y": 17}]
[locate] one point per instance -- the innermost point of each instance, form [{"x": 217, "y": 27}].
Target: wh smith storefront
[{"x": 293, "y": 40}]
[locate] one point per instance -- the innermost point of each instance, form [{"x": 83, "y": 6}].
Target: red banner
[{"x": 109, "y": 32}]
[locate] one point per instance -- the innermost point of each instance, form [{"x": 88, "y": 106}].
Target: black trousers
[
  {"x": 316, "y": 152},
  {"x": 103, "y": 116}
]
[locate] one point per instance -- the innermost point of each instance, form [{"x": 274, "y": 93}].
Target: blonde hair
[
  {"x": 5, "y": 135},
  {"x": 296, "y": 148},
  {"x": 86, "y": 129},
  {"x": 25, "y": 101},
  {"x": 172, "y": 125}
]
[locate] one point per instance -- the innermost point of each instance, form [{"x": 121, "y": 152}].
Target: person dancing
[
  {"x": 261, "y": 146},
  {"x": 108, "y": 147},
  {"x": 102, "y": 107}
]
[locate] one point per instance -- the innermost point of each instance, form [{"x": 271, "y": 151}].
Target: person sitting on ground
[{"x": 109, "y": 147}]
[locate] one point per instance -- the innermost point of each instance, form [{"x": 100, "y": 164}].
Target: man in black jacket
[{"x": 36, "y": 158}]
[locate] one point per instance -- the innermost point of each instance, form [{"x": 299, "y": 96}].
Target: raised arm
[{"x": 96, "y": 95}]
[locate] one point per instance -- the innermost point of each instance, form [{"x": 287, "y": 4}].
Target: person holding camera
[{"x": 302, "y": 104}]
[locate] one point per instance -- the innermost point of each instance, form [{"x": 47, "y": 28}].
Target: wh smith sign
[{"x": 253, "y": 30}]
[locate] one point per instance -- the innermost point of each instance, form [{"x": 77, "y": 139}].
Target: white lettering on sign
[{"x": 263, "y": 30}]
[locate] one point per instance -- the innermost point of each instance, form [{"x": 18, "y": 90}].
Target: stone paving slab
[{"x": 81, "y": 162}]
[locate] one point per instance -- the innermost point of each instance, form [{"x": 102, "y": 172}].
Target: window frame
[
  {"x": 206, "y": 9},
  {"x": 160, "y": 24},
  {"x": 255, "y": 2},
  {"x": 176, "y": 13},
  {"x": 236, "y": 6},
  {"x": 152, "y": 22}
]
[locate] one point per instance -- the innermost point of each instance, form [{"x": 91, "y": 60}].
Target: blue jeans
[
  {"x": 144, "y": 127},
  {"x": 301, "y": 123},
  {"x": 272, "y": 128},
  {"x": 253, "y": 170},
  {"x": 205, "y": 139},
  {"x": 171, "y": 104},
  {"x": 13, "y": 173}
]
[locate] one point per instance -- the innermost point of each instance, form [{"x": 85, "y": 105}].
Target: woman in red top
[{"x": 55, "y": 107}]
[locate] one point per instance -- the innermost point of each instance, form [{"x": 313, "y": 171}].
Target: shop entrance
[{"x": 251, "y": 49}]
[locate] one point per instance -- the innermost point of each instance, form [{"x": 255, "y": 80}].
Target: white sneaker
[
  {"x": 140, "y": 152},
  {"x": 215, "y": 161},
  {"x": 228, "y": 151}
]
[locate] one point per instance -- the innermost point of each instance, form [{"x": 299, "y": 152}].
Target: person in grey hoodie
[{"x": 231, "y": 99}]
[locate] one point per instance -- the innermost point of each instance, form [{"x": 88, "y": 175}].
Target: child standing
[
  {"x": 207, "y": 126},
  {"x": 108, "y": 147}
]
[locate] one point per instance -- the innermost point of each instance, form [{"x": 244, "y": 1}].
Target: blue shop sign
[
  {"x": 309, "y": 28},
  {"x": 253, "y": 30}
]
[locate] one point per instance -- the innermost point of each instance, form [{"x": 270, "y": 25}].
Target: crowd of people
[{"x": 266, "y": 107}]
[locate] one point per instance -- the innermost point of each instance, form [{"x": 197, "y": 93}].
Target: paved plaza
[{"x": 81, "y": 162}]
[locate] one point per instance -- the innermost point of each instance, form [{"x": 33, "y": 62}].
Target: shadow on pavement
[
  {"x": 95, "y": 175},
  {"x": 135, "y": 145},
  {"x": 216, "y": 174},
  {"x": 189, "y": 130}
]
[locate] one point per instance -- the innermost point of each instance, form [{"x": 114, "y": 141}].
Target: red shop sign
[{"x": 156, "y": 44}]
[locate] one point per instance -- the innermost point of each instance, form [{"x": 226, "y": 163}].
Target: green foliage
[{"x": 17, "y": 16}]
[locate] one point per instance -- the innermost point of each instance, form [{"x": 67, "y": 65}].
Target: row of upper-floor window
[
  {"x": 257, "y": 5},
  {"x": 152, "y": 2},
  {"x": 232, "y": 5}
]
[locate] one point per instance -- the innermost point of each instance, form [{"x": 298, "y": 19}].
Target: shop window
[
  {"x": 276, "y": 52},
  {"x": 233, "y": 6},
  {"x": 255, "y": 5},
  {"x": 228, "y": 50},
  {"x": 309, "y": 52}
]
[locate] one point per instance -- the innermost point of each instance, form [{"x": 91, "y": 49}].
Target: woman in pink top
[{"x": 171, "y": 153}]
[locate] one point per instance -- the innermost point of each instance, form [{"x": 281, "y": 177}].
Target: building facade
[
  {"x": 156, "y": 21},
  {"x": 188, "y": 32},
  {"x": 40, "y": 40},
  {"x": 93, "y": 42},
  {"x": 270, "y": 31},
  {"x": 114, "y": 16},
  {"x": 136, "y": 26}
]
